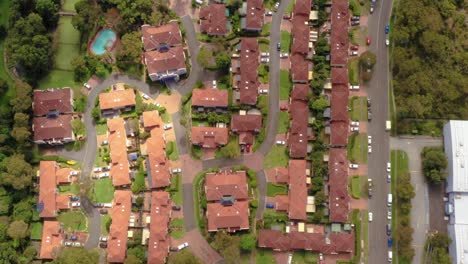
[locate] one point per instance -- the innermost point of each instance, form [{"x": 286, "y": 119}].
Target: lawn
[
  {"x": 103, "y": 152},
  {"x": 264, "y": 47},
  {"x": 277, "y": 157},
  {"x": 283, "y": 125},
  {"x": 177, "y": 228},
  {"x": 285, "y": 41},
  {"x": 197, "y": 181},
  {"x": 364, "y": 186},
  {"x": 358, "y": 35},
  {"x": 357, "y": 231},
  {"x": 290, "y": 7},
  {"x": 353, "y": 71},
  {"x": 357, "y": 148},
  {"x": 264, "y": 256},
  {"x": 276, "y": 189},
  {"x": 265, "y": 30},
  {"x": 263, "y": 73},
  {"x": 356, "y": 187},
  {"x": 399, "y": 161},
  {"x": 365, "y": 233},
  {"x": 358, "y": 107},
  {"x": 285, "y": 85},
  {"x": 101, "y": 129},
  {"x": 304, "y": 257},
  {"x": 171, "y": 151},
  {"x": 36, "y": 231},
  {"x": 73, "y": 221},
  {"x": 176, "y": 189},
  {"x": 72, "y": 188},
  {"x": 103, "y": 191},
  {"x": 69, "y": 5},
  {"x": 57, "y": 79},
  {"x": 166, "y": 117},
  {"x": 104, "y": 219}
]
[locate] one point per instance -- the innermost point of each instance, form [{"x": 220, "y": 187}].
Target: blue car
[
  {"x": 387, "y": 29},
  {"x": 390, "y": 242},
  {"x": 271, "y": 206}
]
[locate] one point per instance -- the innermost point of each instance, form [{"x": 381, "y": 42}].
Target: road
[
  {"x": 378, "y": 89},
  {"x": 420, "y": 210}
]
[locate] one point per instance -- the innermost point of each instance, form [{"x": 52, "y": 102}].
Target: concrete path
[{"x": 413, "y": 146}]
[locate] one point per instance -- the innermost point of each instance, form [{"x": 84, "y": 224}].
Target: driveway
[{"x": 420, "y": 210}]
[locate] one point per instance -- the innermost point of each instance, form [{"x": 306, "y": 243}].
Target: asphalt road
[
  {"x": 378, "y": 89},
  {"x": 420, "y": 210}
]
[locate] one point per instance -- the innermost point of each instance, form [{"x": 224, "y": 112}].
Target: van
[
  {"x": 390, "y": 256},
  {"x": 389, "y": 199}
]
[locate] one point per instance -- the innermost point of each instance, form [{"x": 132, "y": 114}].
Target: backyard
[
  {"x": 101, "y": 129},
  {"x": 276, "y": 189},
  {"x": 285, "y": 85},
  {"x": 102, "y": 156},
  {"x": 73, "y": 221},
  {"x": 72, "y": 188},
  {"x": 103, "y": 191},
  {"x": 277, "y": 157},
  {"x": 36, "y": 231},
  {"x": 358, "y": 107},
  {"x": 357, "y": 148},
  {"x": 264, "y": 256}
]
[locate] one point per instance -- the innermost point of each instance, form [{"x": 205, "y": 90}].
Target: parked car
[
  {"x": 354, "y": 123},
  {"x": 103, "y": 245},
  {"x": 68, "y": 243},
  {"x": 177, "y": 170},
  {"x": 369, "y": 115},
  {"x": 173, "y": 249},
  {"x": 372, "y": 9},
  {"x": 264, "y": 54},
  {"x": 104, "y": 175},
  {"x": 387, "y": 42},
  {"x": 215, "y": 84},
  {"x": 370, "y": 216},
  {"x": 353, "y": 166},
  {"x": 354, "y": 18},
  {"x": 269, "y": 205},
  {"x": 389, "y": 178},
  {"x": 98, "y": 169},
  {"x": 355, "y": 47},
  {"x": 368, "y": 41},
  {"x": 369, "y": 149},
  {"x": 157, "y": 104},
  {"x": 77, "y": 244},
  {"x": 74, "y": 173},
  {"x": 182, "y": 246},
  {"x": 389, "y": 229},
  {"x": 284, "y": 55},
  {"x": 369, "y": 140},
  {"x": 75, "y": 204},
  {"x": 176, "y": 208},
  {"x": 389, "y": 214},
  {"x": 145, "y": 96},
  {"x": 265, "y": 60},
  {"x": 103, "y": 239},
  {"x": 284, "y": 107},
  {"x": 353, "y": 53},
  {"x": 389, "y": 166},
  {"x": 277, "y": 6},
  {"x": 390, "y": 242},
  {"x": 103, "y": 211},
  {"x": 263, "y": 91},
  {"x": 370, "y": 192},
  {"x": 167, "y": 126},
  {"x": 87, "y": 86},
  {"x": 73, "y": 237},
  {"x": 268, "y": 13},
  {"x": 280, "y": 142},
  {"x": 354, "y": 87},
  {"x": 278, "y": 46},
  {"x": 107, "y": 205},
  {"x": 247, "y": 148},
  {"x": 98, "y": 205},
  {"x": 354, "y": 129},
  {"x": 387, "y": 29},
  {"x": 106, "y": 168},
  {"x": 105, "y": 142},
  {"x": 355, "y": 23},
  {"x": 74, "y": 198}
]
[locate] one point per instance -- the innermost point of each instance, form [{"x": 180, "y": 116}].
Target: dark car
[
  {"x": 354, "y": 18},
  {"x": 103, "y": 245},
  {"x": 74, "y": 198},
  {"x": 389, "y": 229},
  {"x": 278, "y": 46},
  {"x": 390, "y": 242},
  {"x": 103, "y": 211},
  {"x": 387, "y": 29},
  {"x": 174, "y": 249},
  {"x": 269, "y": 205},
  {"x": 369, "y": 115},
  {"x": 73, "y": 237},
  {"x": 370, "y": 192},
  {"x": 355, "y": 23},
  {"x": 176, "y": 208}
]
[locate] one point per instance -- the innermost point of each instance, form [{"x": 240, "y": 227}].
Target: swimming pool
[{"x": 103, "y": 41}]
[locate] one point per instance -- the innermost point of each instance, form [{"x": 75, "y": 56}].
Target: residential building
[
  {"x": 253, "y": 13},
  {"x": 159, "y": 239},
  {"x": 120, "y": 166},
  {"x": 213, "y": 19},
  {"x": 456, "y": 148},
  {"x": 339, "y": 125},
  {"x": 157, "y": 165},
  {"x": 338, "y": 186},
  {"x": 209, "y": 137},
  {"x": 162, "y": 37},
  {"x": 246, "y": 126},
  {"x": 117, "y": 100},
  {"x": 226, "y": 184},
  {"x": 152, "y": 120},
  {"x": 54, "y": 130},
  {"x": 247, "y": 82},
  {"x": 297, "y": 190},
  {"x": 299, "y": 133},
  {"x": 299, "y": 68},
  {"x": 302, "y": 8},
  {"x": 233, "y": 217},
  {"x": 210, "y": 100},
  {"x": 52, "y": 239},
  {"x": 117, "y": 239},
  {"x": 339, "y": 33},
  {"x": 300, "y": 35},
  {"x": 166, "y": 64},
  {"x": 52, "y": 102}
]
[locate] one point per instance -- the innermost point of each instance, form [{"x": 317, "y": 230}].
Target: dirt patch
[
  {"x": 436, "y": 210},
  {"x": 170, "y": 102}
]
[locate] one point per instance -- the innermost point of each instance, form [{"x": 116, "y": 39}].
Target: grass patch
[
  {"x": 69, "y": 5},
  {"x": 171, "y": 151},
  {"x": 285, "y": 85},
  {"x": 36, "y": 231},
  {"x": 197, "y": 181},
  {"x": 358, "y": 107},
  {"x": 177, "y": 228},
  {"x": 353, "y": 71},
  {"x": 166, "y": 117},
  {"x": 276, "y": 189},
  {"x": 264, "y": 47},
  {"x": 364, "y": 186},
  {"x": 231, "y": 150},
  {"x": 263, "y": 73},
  {"x": 277, "y": 157},
  {"x": 72, "y": 188},
  {"x": 104, "y": 220},
  {"x": 101, "y": 129},
  {"x": 58, "y": 79},
  {"x": 264, "y": 256},
  {"x": 176, "y": 189},
  {"x": 103, "y": 191},
  {"x": 356, "y": 187},
  {"x": 265, "y": 30},
  {"x": 357, "y": 148},
  {"x": 365, "y": 234},
  {"x": 102, "y": 155},
  {"x": 283, "y": 125},
  {"x": 285, "y": 41},
  {"x": 290, "y": 7},
  {"x": 357, "y": 235},
  {"x": 73, "y": 221},
  {"x": 304, "y": 257}
]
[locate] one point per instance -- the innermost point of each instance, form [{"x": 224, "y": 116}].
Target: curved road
[{"x": 378, "y": 90}]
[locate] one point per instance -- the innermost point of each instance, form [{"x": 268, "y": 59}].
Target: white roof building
[{"x": 456, "y": 149}]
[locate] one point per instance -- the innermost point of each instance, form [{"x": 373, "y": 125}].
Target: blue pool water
[{"x": 105, "y": 39}]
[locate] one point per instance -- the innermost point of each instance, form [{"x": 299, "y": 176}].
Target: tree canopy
[
  {"x": 76, "y": 255},
  {"x": 434, "y": 163}
]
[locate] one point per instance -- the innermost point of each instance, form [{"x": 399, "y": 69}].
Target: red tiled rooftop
[
  {"x": 117, "y": 99},
  {"x": 298, "y": 137},
  {"x": 210, "y": 98},
  {"x": 154, "y": 37},
  {"x": 63, "y": 175},
  {"x": 299, "y": 68},
  {"x": 249, "y": 64},
  {"x": 281, "y": 175},
  {"x": 254, "y": 16},
  {"x": 59, "y": 100},
  {"x": 339, "y": 133},
  {"x": 226, "y": 183},
  {"x": 159, "y": 240},
  {"x": 300, "y": 92},
  {"x": 338, "y": 196},
  {"x": 152, "y": 119},
  {"x": 297, "y": 189},
  {"x": 167, "y": 61},
  {"x": 157, "y": 164},
  {"x": 302, "y": 8},
  {"x": 47, "y": 188},
  {"x": 52, "y": 238},
  {"x": 339, "y": 32},
  {"x": 52, "y": 128},
  {"x": 213, "y": 19},
  {"x": 339, "y": 103},
  {"x": 232, "y": 218},
  {"x": 282, "y": 203},
  {"x": 339, "y": 76},
  {"x": 120, "y": 213},
  {"x": 242, "y": 123},
  {"x": 120, "y": 167},
  {"x": 300, "y": 34},
  {"x": 209, "y": 137},
  {"x": 62, "y": 201}
]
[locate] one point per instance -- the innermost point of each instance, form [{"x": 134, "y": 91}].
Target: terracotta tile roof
[
  {"x": 246, "y": 138},
  {"x": 154, "y": 37},
  {"x": 300, "y": 33},
  {"x": 152, "y": 119},
  {"x": 242, "y": 123},
  {"x": 209, "y": 137},
  {"x": 297, "y": 189},
  {"x": 299, "y": 111},
  {"x": 63, "y": 175},
  {"x": 254, "y": 16},
  {"x": 47, "y": 189},
  {"x": 339, "y": 32},
  {"x": 337, "y": 242},
  {"x": 339, "y": 133},
  {"x": 159, "y": 240},
  {"x": 232, "y": 218},
  {"x": 45, "y": 101},
  {"x": 339, "y": 76},
  {"x": 120, "y": 213},
  {"x": 210, "y": 98},
  {"x": 157, "y": 165},
  {"x": 213, "y": 19},
  {"x": 302, "y": 8},
  {"x": 299, "y": 68},
  {"x": 52, "y": 238},
  {"x": 117, "y": 99},
  {"x": 161, "y": 62},
  {"x": 249, "y": 63},
  {"x": 339, "y": 103},
  {"x": 57, "y": 128},
  {"x": 120, "y": 167},
  {"x": 62, "y": 201},
  {"x": 281, "y": 175},
  {"x": 282, "y": 203},
  {"x": 338, "y": 195},
  {"x": 226, "y": 183},
  {"x": 300, "y": 92}
]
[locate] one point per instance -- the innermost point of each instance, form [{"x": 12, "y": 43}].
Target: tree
[
  {"x": 21, "y": 119},
  {"x": 133, "y": 13},
  {"x": 15, "y": 171},
  {"x": 23, "y": 211},
  {"x": 405, "y": 190},
  {"x": 319, "y": 104},
  {"x": 76, "y": 255},
  {"x": 21, "y": 103},
  {"x": 8, "y": 254},
  {"x": 18, "y": 230},
  {"x": 3, "y": 85},
  {"x": 434, "y": 163},
  {"x": 20, "y": 134},
  {"x": 132, "y": 259},
  {"x": 222, "y": 61},
  {"x": 101, "y": 71},
  {"x": 80, "y": 69},
  {"x": 320, "y": 198},
  {"x": 185, "y": 257},
  {"x": 248, "y": 242},
  {"x": 135, "y": 255},
  {"x": 48, "y": 10},
  {"x": 204, "y": 57},
  {"x": 96, "y": 113},
  {"x": 129, "y": 54},
  {"x": 227, "y": 246},
  {"x": 231, "y": 150}
]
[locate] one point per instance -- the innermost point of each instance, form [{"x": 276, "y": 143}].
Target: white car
[
  {"x": 157, "y": 104},
  {"x": 264, "y": 54},
  {"x": 107, "y": 205},
  {"x": 277, "y": 6},
  {"x": 76, "y": 244},
  {"x": 182, "y": 246},
  {"x": 263, "y": 91},
  {"x": 265, "y": 60},
  {"x": 106, "y": 168},
  {"x": 353, "y": 53},
  {"x": 280, "y": 142},
  {"x": 167, "y": 126},
  {"x": 387, "y": 42},
  {"x": 104, "y": 175},
  {"x": 68, "y": 243},
  {"x": 389, "y": 214},
  {"x": 369, "y": 149},
  {"x": 354, "y": 87},
  {"x": 268, "y": 13},
  {"x": 284, "y": 55},
  {"x": 369, "y": 140},
  {"x": 389, "y": 178},
  {"x": 320, "y": 256},
  {"x": 98, "y": 169},
  {"x": 76, "y": 204},
  {"x": 145, "y": 96},
  {"x": 178, "y": 170},
  {"x": 354, "y": 123},
  {"x": 103, "y": 239},
  {"x": 215, "y": 84},
  {"x": 389, "y": 167},
  {"x": 74, "y": 173},
  {"x": 353, "y": 166},
  {"x": 354, "y": 129},
  {"x": 87, "y": 86},
  {"x": 370, "y": 216},
  {"x": 105, "y": 142}
]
